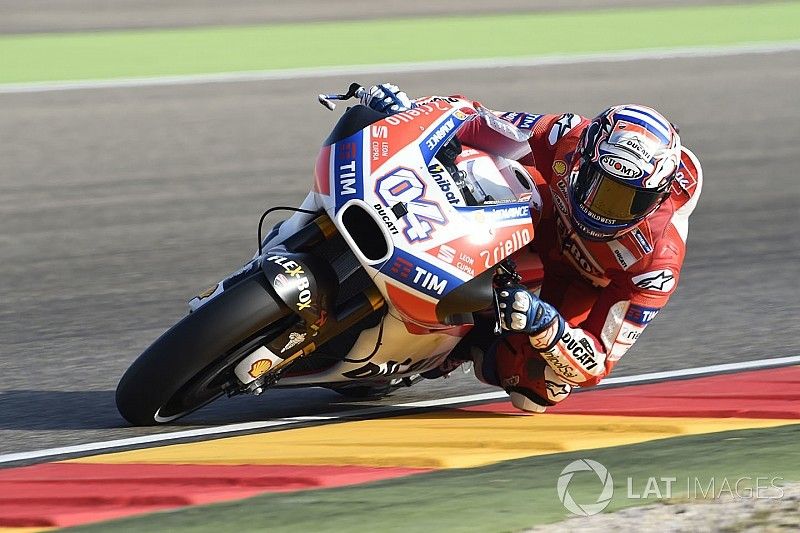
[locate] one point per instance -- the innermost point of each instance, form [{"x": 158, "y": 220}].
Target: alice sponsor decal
[
  {"x": 404, "y": 186},
  {"x": 619, "y": 167}
]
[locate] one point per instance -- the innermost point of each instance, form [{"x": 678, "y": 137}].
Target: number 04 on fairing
[{"x": 371, "y": 282}]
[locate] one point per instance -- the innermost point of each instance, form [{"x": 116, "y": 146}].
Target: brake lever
[
  {"x": 355, "y": 90},
  {"x": 497, "y": 316},
  {"x": 505, "y": 275}
]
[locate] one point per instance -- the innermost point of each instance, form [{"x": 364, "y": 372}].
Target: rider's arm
[
  {"x": 487, "y": 134},
  {"x": 501, "y": 133},
  {"x": 584, "y": 353}
]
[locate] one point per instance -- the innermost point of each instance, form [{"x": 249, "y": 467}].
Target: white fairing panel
[
  {"x": 401, "y": 353},
  {"x": 439, "y": 238}
]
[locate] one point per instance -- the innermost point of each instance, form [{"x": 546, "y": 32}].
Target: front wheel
[{"x": 190, "y": 364}]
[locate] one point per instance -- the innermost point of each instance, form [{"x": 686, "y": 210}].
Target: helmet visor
[{"x": 611, "y": 201}]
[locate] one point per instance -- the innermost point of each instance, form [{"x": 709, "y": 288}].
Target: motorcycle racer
[{"x": 617, "y": 192}]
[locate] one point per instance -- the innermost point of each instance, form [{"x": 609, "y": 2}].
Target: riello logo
[{"x": 506, "y": 247}]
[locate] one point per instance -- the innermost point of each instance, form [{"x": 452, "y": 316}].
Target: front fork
[{"x": 308, "y": 286}]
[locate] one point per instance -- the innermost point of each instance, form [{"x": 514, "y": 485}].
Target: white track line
[
  {"x": 373, "y": 411},
  {"x": 395, "y": 68}
]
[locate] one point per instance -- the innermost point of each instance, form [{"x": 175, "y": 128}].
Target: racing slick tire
[{"x": 191, "y": 364}]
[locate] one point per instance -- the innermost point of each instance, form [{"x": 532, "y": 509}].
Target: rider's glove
[
  {"x": 523, "y": 312},
  {"x": 386, "y": 98}
]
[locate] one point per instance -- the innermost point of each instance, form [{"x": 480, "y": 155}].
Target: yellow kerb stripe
[{"x": 443, "y": 439}]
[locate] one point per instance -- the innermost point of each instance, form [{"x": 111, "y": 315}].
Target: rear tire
[{"x": 181, "y": 371}]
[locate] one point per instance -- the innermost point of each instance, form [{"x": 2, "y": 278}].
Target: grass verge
[{"x": 152, "y": 53}]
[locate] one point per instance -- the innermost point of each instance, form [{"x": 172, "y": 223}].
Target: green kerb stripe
[{"x": 123, "y": 54}]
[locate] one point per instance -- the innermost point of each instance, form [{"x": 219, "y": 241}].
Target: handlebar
[{"x": 354, "y": 91}]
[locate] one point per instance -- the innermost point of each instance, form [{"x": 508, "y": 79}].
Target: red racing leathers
[{"x": 607, "y": 292}]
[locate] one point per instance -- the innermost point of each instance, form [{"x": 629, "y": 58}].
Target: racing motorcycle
[{"x": 372, "y": 281}]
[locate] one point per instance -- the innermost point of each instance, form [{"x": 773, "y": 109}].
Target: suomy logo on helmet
[{"x": 622, "y": 168}]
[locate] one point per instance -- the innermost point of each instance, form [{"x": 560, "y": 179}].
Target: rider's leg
[
  {"x": 475, "y": 342},
  {"x": 513, "y": 365}
]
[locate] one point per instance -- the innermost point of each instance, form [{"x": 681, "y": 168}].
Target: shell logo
[
  {"x": 560, "y": 167},
  {"x": 260, "y": 367}
]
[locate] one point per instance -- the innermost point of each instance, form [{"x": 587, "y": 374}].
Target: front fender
[{"x": 304, "y": 283}]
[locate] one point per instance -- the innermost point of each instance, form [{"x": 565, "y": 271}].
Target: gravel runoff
[{"x": 769, "y": 513}]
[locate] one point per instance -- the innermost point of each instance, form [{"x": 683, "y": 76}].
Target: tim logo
[
  {"x": 404, "y": 186},
  {"x": 401, "y": 268},
  {"x": 348, "y": 151}
]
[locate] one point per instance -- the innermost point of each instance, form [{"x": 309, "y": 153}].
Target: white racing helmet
[{"x": 624, "y": 166}]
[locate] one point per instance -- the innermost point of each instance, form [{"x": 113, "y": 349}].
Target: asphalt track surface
[{"x": 118, "y": 205}]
